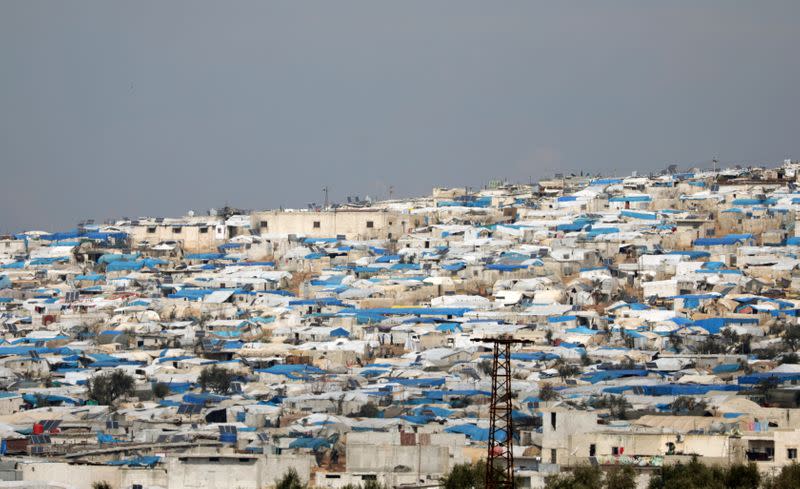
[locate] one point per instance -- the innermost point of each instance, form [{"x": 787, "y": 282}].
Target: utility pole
[
  {"x": 715, "y": 161},
  {"x": 325, "y": 189},
  {"x": 391, "y": 191},
  {"x": 500, "y": 453}
]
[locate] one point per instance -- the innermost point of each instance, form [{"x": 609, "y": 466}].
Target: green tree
[
  {"x": 215, "y": 379},
  {"x": 745, "y": 346},
  {"x": 617, "y": 405},
  {"x": 41, "y": 400},
  {"x": 367, "y": 485},
  {"x": 741, "y": 476},
  {"x": 373, "y": 485},
  {"x": 465, "y": 476},
  {"x": 766, "y": 385},
  {"x": 101, "y": 485},
  {"x": 711, "y": 346},
  {"x": 692, "y": 475},
  {"x": 160, "y": 390},
  {"x": 566, "y": 370},
  {"x": 547, "y": 392},
  {"x": 108, "y": 388},
  {"x": 621, "y": 477},
  {"x": 290, "y": 480},
  {"x": 676, "y": 341},
  {"x": 791, "y": 337},
  {"x": 730, "y": 336},
  {"x": 789, "y": 478},
  {"x": 368, "y": 410},
  {"x": 581, "y": 477},
  {"x": 688, "y": 405}
]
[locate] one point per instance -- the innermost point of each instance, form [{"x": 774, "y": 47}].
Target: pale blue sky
[{"x": 157, "y": 107}]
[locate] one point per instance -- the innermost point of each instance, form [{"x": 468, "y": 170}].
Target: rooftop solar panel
[{"x": 50, "y": 424}]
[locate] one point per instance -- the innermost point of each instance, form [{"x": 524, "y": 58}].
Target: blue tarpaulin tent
[
  {"x": 147, "y": 461},
  {"x": 671, "y": 389},
  {"x": 311, "y": 443},
  {"x": 475, "y": 433}
]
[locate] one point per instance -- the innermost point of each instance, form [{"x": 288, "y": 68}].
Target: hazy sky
[{"x": 111, "y": 109}]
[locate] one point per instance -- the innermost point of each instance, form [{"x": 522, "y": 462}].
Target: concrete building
[
  {"x": 350, "y": 223},
  {"x": 195, "y": 234}
]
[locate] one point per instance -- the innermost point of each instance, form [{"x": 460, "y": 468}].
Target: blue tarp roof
[
  {"x": 112, "y": 257},
  {"x": 433, "y": 411},
  {"x": 329, "y": 281},
  {"x": 475, "y": 433},
  {"x": 598, "y": 231},
  {"x": 603, "y": 375},
  {"x": 606, "y": 181},
  {"x": 96, "y": 277},
  {"x": 779, "y": 377},
  {"x": 321, "y": 301},
  {"x": 724, "y": 241},
  {"x": 292, "y": 371},
  {"x": 630, "y": 198},
  {"x": 449, "y": 327},
  {"x": 561, "y": 319},
  {"x": 714, "y": 325},
  {"x": 429, "y": 382},
  {"x": 439, "y": 395},
  {"x": 147, "y": 461},
  {"x": 311, "y": 443},
  {"x": 650, "y": 216},
  {"x": 670, "y": 389},
  {"x": 202, "y": 398},
  {"x": 693, "y": 254},
  {"x": 530, "y": 356},
  {"x": 582, "y": 330},
  {"x": 505, "y": 267},
  {"x": 726, "y": 368},
  {"x": 417, "y": 311},
  {"x": 573, "y": 227},
  {"x": 205, "y": 256},
  {"x": 121, "y": 265}
]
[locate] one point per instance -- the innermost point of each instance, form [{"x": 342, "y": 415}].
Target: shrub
[
  {"x": 160, "y": 390},
  {"x": 290, "y": 480},
  {"x": 108, "y": 388},
  {"x": 368, "y": 410},
  {"x": 215, "y": 379},
  {"x": 465, "y": 476}
]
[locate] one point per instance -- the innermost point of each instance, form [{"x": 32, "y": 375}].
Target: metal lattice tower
[{"x": 500, "y": 456}]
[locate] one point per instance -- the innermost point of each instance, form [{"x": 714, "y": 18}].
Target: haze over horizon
[{"x": 111, "y": 109}]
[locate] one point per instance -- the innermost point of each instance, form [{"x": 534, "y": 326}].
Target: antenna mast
[{"x": 500, "y": 453}]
